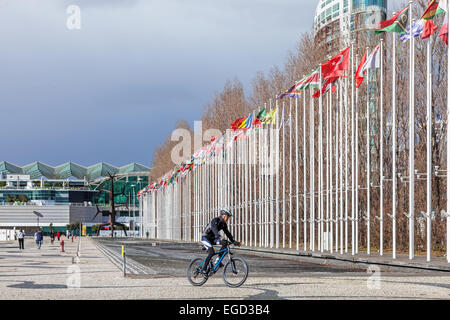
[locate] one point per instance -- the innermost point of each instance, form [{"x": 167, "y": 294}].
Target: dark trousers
[
  {"x": 21, "y": 246},
  {"x": 211, "y": 253}
]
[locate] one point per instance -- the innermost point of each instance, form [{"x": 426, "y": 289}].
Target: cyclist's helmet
[{"x": 226, "y": 212}]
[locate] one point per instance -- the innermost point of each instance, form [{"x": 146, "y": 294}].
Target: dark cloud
[{"x": 114, "y": 90}]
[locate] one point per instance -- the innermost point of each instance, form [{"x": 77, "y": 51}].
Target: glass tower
[{"x": 337, "y": 22}]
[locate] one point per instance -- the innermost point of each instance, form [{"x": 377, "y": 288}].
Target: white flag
[
  {"x": 442, "y": 8},
  {"x": 373, "y": 61}
]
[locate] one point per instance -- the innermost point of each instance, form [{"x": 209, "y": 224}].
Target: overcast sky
[{"x": 113, "y": 90}]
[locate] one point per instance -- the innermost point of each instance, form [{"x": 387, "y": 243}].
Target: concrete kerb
[{"x": 328, "y": 259}]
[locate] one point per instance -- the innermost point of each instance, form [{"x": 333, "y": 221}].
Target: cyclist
[{"x": 211, "y": 236}]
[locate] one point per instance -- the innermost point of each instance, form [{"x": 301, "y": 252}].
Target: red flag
[
  {"x": 236, "y": 123},
  {"x": 256, "y": 123},
  {"x": 429, "y": 29},
  {"x": 335, "y": 66},
  {"x": 359, "y": 76},
  {"x": 326, "y": 87}
]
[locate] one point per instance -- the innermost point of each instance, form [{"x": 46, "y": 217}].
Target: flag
[
  {"x": 248, "y": 122},
  {"x": 237, "y": 123},
  {"x": 429, "y": 29},
  {"x": 359, "y": 76},
  {"x": 416, "y": 31},
  {"x": 397, "y": 24},
  {"x": 373, "y": 61},
  {"x": 444, "y": 30},
  {"x": 259, "y": 118},
  {"x": 242, "y": 125},
  {"x": 261, "y": 115},
  {"x": 326, "y": 87},
  {"x": 431, "y": 10},
  {"x": 291, "y": 92},
  {"x": 334, "y": 67},
  {"x": 310, "y": 81},
  {"x": 271, "y": 117},
  {"x": 442, "y": 8},
  {"x": 256, "y": 123}
]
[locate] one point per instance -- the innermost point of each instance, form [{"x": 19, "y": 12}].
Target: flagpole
[
  {"x": 411, "y": 139},
  {"x": 247, "y": 187},
  {"x": 283, "y": 169},
  {"x": 312, "y": 171},
  {"x": 330, "y": 121},
  {"x": 448, "y": 147},
  {"x": 341, "y": 166},
  {"x": 237, "y": 186},
  {"x": 275, "y": 162},
  {"x": 304, "y": 175},
  {"x": 346, "y": 164},
  {"x": 241, "y": 187},
  {"x": 353, "y": 151},
  {"x": 381, "y": 144},
  {"x": 278, "y": 168},
  {"x": 429, "y": 151},
  {"x": 297, "y": 190},
  {"x": 290, "y": 174},
  {"x": 368, "y": 158},
  {"x": 262, "y": 195},
  {"x": 394, "y": 151},
  {"x": 336, "y": 140},
  {"x": 255, "y": 181},
  {"x": 356, "y": 137},
  {"x": 268, "y": 193},
  {"x": 327, "y": 167},
  {"x": 320, "y": 159}
]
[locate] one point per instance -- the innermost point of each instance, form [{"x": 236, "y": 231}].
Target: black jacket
[{"x": 211, "y": 232}]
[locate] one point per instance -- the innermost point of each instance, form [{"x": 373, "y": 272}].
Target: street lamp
[{"x": 38, "y": 214}]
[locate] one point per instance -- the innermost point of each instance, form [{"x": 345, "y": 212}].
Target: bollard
[
  {"x": 62, "y": 245},
  {"x": 124, "y": 261}
]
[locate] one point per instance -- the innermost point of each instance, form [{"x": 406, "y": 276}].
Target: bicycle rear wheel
[
  {"x": 235, "y": 272},
  {"x": 194, "y": 274}
]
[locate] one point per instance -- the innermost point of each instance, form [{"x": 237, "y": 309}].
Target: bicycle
[{"x": 235, "y": 271}]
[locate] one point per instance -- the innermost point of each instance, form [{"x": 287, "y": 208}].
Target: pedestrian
[
  {"x": 52, "y": 237},
  {"x": 21, "y": 238},
  {"x": 38, "y": 236},
  {"x": 58, "y": 235}
]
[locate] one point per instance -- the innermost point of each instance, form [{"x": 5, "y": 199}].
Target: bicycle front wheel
[
  {"x": 194, "y": 274},
  {"x": 235, "y": 272}
]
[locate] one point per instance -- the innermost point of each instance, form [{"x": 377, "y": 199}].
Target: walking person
[
  {"x": 38, "y": 236},
  {"x": 58, "y": 235},
  {"x": 52, "y": 237},
  {"x": 21, "y": 238}
]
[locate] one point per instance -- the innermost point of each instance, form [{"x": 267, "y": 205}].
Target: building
[
  {"x": 39, "y": 195},
  {"x": 338, "y": 22}
]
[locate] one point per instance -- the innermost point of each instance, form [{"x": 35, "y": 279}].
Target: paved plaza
[{"x": 49, "y": 273}]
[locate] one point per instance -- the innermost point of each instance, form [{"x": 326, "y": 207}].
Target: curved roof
[{"x": 37, "y": 170}]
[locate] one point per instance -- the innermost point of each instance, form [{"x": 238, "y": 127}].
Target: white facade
[
  {"x": 58, "y": 215},
  {"x": 331, "y": 11}
]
